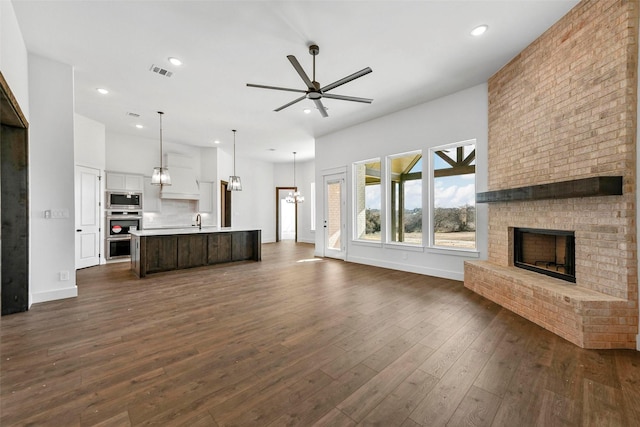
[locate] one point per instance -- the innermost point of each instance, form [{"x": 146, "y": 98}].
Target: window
[
  {"x": 454, "y": 188},
  {"x": 366, "y": 181},
  {"x": 405, "y": 198}
]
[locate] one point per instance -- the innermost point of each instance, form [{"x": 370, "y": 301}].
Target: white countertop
[{"x": 188, "y": 230}]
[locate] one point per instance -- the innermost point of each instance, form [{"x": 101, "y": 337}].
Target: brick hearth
[{"x": 565, "y": 109}]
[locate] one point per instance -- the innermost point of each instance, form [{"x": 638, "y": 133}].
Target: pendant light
[
  {"x": 234, "y": 180},
  {"x": 160, "y": 175},
  {"x": 294, "y": 196}
]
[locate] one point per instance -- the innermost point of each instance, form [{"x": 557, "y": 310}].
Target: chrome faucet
[{"x": 199, "y": 221}]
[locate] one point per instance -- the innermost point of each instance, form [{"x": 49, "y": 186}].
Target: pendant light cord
[
  {"x": 160, "y": 113},
  {"x": 234, "y": 152}
]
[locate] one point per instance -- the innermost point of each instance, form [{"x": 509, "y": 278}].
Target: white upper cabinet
[{"x": 117, "y": 181}]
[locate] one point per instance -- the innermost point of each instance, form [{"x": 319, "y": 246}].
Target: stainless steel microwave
[{"x": 123, "y": 200}]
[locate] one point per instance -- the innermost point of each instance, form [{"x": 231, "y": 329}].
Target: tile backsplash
[{"x": 175, "y": 213}]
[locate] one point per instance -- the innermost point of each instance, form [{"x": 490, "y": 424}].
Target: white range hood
[{"x": 184, "y": 183}]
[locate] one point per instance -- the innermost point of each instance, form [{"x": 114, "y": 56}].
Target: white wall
[
  {"x": 89, "y": 143},
  {"x": 51, "y": 179},
  {"x": 13, "y": 56},
  {"x": 139, "y": 155},
  {"x": 254, "y": 206},
  {"x": 454, "y": 118}
]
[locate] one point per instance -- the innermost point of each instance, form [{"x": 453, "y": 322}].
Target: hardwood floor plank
[
  {"x": 558, "y": 410},
  {"x": 477, "y": 409},
  {"x": 628, "y": 373},
  {"x": 335, "y": 418},
  {"x": 325, "y": 400},
  {"x": 363, "y": 400},
  {"x": 282, "y": 342},
  {"x": 523, "y": 395},
  {"x": 274, "y": 405},
  {"x": 447, "y": 354},
  {"x": 439, "y": 405},
  {"x": 351, "y": 358},
  {"x": 601, "y": 407},
  {"x": 395, "y": 408},
  {"x": 497, "y": 374}
]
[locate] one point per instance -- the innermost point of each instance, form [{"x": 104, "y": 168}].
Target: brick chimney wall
[{"x": 565, "y": 108}]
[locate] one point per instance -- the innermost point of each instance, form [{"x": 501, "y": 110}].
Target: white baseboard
[
  {"x": 70, "y": 292},
  {"x": 447, "y": 274}
]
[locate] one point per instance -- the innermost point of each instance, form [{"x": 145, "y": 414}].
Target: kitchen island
[{"x": 166, "y": 249}]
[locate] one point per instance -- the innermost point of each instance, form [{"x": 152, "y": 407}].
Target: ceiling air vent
[
  {"x": 160, "y": 70},
  {"x": 133, "y": 114}
]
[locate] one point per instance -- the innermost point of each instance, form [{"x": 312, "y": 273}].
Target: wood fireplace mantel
[{"x": 585, "y": 187}]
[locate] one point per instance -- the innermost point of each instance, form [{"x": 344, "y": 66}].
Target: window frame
[
  {"x": 354, "y": 191},
  {"x": 431, "y": 197},
  {"x": 388, "y": 202}
]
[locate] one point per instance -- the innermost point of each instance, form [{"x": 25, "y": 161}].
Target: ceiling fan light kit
[{"x": 314, "y": 91}]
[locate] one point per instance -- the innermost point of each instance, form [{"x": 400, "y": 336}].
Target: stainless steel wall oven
[{"x": 119, "y": 224}]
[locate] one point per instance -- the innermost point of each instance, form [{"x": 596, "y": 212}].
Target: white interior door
[
  {"x": 335, "y": 224},
  {"x": 87, "y": 200}
]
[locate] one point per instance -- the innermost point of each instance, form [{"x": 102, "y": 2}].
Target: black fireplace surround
[{"x": 550, "y": 252}]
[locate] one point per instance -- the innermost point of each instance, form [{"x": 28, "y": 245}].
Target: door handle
[{"x": 79, "y": 230}]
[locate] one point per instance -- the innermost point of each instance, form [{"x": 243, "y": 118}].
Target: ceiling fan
[{"x": 314, "y": 92}]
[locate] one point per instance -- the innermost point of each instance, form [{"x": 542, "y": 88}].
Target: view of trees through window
[
  {"x": 453, "y": 198},
  {"x": 405, "y": 173},
  {"x": 454, "y": 187}
]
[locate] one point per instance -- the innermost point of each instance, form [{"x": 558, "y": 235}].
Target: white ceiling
[{"x": 418, "y": 50}]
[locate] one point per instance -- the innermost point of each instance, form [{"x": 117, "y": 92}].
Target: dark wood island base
[{"x": 166, "y": 250}]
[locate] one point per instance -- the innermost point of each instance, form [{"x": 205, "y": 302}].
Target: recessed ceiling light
[
  {"x": 479, "y": 30},
  {"x": 307, "y": 111},
  {"x": 175, "y": 61},
  {"x": 217, "y": 141},
  {"x": 139, "y": 126},
  {"x": 102, "y": 90}
]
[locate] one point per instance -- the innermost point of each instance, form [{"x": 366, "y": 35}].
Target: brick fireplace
[{"x": 564, "y": 111}]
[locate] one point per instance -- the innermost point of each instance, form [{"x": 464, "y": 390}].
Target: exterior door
[
  {"x": 335, "y": 225},
  {"x": 87, "y": 217}
]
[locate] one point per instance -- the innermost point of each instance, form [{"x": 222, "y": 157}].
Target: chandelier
[{"x": 294, "y": 196}]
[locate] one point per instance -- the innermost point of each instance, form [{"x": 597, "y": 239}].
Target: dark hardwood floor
[{"x": 297, "y": 341}]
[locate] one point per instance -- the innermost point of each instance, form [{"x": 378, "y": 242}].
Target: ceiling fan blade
[
  {"x": 301, "y": 72},
  {"x": 276, "y": 88},
  {"x": 347, "y": 98},
  {"x": 291, "y": 103},
  {"x": 347, "y": 79},
  {"x": 321, "y": 108}
]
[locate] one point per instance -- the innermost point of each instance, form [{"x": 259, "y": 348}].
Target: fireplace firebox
[{"x": 550, "y": 252}]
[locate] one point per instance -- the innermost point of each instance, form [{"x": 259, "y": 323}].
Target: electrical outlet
[{"x": 64, "y": 275}]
